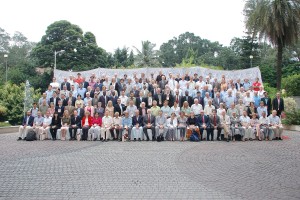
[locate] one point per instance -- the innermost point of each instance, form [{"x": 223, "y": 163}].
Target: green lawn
[{"x": 4, "y": 124}]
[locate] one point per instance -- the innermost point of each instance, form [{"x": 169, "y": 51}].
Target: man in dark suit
[
  {"x": 27, "y": 125},
  {"x": 238, "y": 85},
  {"x": 137, "y": 126},
  {"x": 177, "y": 98},
  {"x": 169, "y": 97},
  {"x": 113, "y": 97},
  {"x": 200, "y": 99},
  {"x": 215, "y": 123},
  {"x": 278, "y": 104},
  {"x": 139, "y": 100},
  {"x": 217, "y": 100},
  {"x": 267, "y": 102},
  {"x": 85, "y": 83},
  {"x": 120, "y": 108},
  {"x": 75, "y": 124},
  {"x": 60, "y": 109},
  {"x": 187, "y": 98},
  {"x": 104, "y": 99},
  {"x": 203, "y": 123},
  {"x": 149, "y": 123},
  {"x": 54, "y": 99},
  {"x": 65, "y": 83},
  {"x": 71, "y": 98},
  {"x": 80, "y": 111},
  {"x": 143, "y": 110},
  {"x": 158, "y": 97},
  {"x": 148, "y": 100}
]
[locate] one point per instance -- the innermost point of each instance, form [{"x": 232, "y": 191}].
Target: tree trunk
[{"x": 279, "y": 63}]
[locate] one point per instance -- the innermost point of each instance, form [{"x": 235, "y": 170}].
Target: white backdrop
[{"x": 250, "y": 73}]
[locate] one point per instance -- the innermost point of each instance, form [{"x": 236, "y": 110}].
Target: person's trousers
[
  {"x": 72, "y": 132},
  {"x": 129, "y": 132},
  {"x": 247, "y": 133},
  {"x": 182, "y": 131},
  {"x": 105, "y": 133},
  {"x": 277, "y": 131},
  {"x": 226, "y": 130},
  {"x": 23, "y": 131},
  {"x": 210, "y": 133},
  {"x": 160, "y": 131},
  {"x": 94, "y": 132},
  {"x": 137, "y": 132},
  {"x": 172, "y": 133},
  {"x": 146, "y": 133},
  {"x": 53, "y": 132},
  {"x": 43, "y": 132},
  {"x": 85, "y": 131}
]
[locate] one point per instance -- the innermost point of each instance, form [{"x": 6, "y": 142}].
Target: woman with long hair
[
  {"x": 86, "y": 125},
  {"x": 55, "y": 124},
  {"x": 110, "y": 108},
  {"x": 65, "y": 121}
]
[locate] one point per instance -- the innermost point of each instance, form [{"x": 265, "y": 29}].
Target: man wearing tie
[
  {"x": 215, "y": 124},
  {"x": 149, "y": 123},
  {"x": 203, "y": 124},
  {"x": 26, "y": 125},
  {"x": 120, "y": 108},
  {"x": 75, "y": 124},
  {"x": 278, "y": 104},
  {"x": 267, "y": 102}
]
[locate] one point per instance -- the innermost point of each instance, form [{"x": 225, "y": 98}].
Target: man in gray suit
[
  {"x": 217, "y": 100},
  {"x": 161, "y": 124},
  {"x": 149, "y": 123}
]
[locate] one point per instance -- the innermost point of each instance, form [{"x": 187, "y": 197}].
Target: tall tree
[
  {"x": 147, "y": 56},
  {"x": 276, "y": 20},
  {"x": 62, "y": 35}
]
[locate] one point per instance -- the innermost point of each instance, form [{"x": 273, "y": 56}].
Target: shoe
[
  {"x": 280, "y": 138},
  {"x": 134, "y": 139},
  {"x": 140, "y": 139},
  {"x": 233, "y": 139},
  {"x": 218, "y": 139},
  {"x": 227, "y": 140},
  {"x": 148, "y": 139},
  {"x": 250, "y": 139},
  {"x": 24, "y": 138},
  {"x": 95, "y": 139},
  {"x": 19, "y": 139}
]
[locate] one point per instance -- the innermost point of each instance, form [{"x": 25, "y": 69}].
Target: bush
[
  {"x": 271, "y": 90},
  {"x": 12, "y": 98},
  {"x": 3, "y": 112},
  {"x": 292, "y": 118},
  {"x": 291, "y": 84},
  {"x": 290, "y": 104}
]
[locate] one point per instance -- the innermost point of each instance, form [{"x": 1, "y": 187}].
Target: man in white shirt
[
  {"x": 44, "y": 129},
  {"x": 262, "y": 109},
  {"x": 246, "y": 128},
  {"x": 123, "y": 98},
  {"x": 225, "y": 122},
  {"x": 209, "y": 108},
  {"x": 264, "y": 126},
  {"x": 275, "y": 126},
  {"x": 196, "y": 107},
  {"x": 107, "y": 123}
]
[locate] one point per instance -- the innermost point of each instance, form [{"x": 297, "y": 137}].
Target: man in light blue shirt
[
  {"x": 81, "y": 90},
  {"x": 262, "y": 109},
  {"x": 229, "y": 99},
  {"x": 127, "y": 124},
  {"x": 256, "y": 99}
]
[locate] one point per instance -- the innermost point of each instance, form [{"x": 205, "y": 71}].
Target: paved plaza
[{"x": 149, "y": 170}]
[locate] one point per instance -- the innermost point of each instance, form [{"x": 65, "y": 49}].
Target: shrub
[
  {"x": 292, "y": 118},
  {"x": 289, "y": 104},
  {"x": 271, "y": 90},
  {"x": 3, "y": 112},
  {"x": 291, "y": 84}
]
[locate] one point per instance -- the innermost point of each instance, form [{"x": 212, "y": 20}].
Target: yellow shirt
[{"x": 155, "y": 110}]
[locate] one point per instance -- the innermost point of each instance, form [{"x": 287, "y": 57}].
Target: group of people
[{"x": 165, "y": 107}]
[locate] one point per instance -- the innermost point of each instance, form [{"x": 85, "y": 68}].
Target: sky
[{"x": 119, "y": 23}]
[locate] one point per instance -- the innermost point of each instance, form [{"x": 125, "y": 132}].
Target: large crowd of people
[{"x": 163, "y": 107}]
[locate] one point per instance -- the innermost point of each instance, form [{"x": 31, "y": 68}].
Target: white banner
[{"x": 250, "y": 73}]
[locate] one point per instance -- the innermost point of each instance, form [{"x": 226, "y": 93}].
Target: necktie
[
  {"x": 278, "y": 103},
  {"x": 121, "y": 109},
  {"x": 148, "y": 119},
  {"x": 177, "y": 99},
  {"x": 215, "y": 123},
  {"x": 203, "y": 121}
]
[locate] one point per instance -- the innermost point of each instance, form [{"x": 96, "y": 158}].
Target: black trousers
[
  {"x": 85, "y": 131},
  {"x": 53, "y": 132},
  {"x": 73, "y": 132},
  {"x": 210, "y": 133},
  {"x": 146, "y": 133}
]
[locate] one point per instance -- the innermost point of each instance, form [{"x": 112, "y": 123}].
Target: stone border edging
[{"x": 9, "y": 129}]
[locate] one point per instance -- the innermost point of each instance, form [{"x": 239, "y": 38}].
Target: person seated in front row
[
  {"x": 38, "y": 123},
  {"x": 107, "y": 123},
  {"x": 225, "y": 123},
  {"x": 43, "y": 130},
  {"x": 116, "y": 127},
  {"x": 235, "y": 126},
  {"x": 203, "y": 123},
  {"x": 246, "y": 128},
  {"x": 149, "y": 123},
  {"x": 126, "y": 125},
  {"x": 86, "y": 124},
  {"x": 192, "y": 124},
  {"x": 264, "y": 125},
  {"x": 27, "y": 125},
  {"x": 137, "y": 126},
  {"x": 172, "y": 124},
  {"x": 161, "y": 124},
  {"x": 55, "y": 125},
  {"x": 75, "y": 125},
  {"x": 65, "y": 121},
  {"x": 275, "y": 125},
  {"x": 215, "y": 124}
]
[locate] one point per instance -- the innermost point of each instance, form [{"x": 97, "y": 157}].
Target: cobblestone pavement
[{"x": 149, "y": 170}]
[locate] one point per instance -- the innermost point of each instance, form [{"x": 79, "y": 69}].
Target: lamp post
[
  {"x": 55, "y": 53},
  {"x": 251, "y": 57},
  {"x": 5, "y": 57}
]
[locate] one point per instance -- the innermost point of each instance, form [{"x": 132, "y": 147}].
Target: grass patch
[{"x": 4, "y": 124}]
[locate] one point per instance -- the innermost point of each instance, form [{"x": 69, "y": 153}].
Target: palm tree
[
  {"x": 275, "y": 20},
  {"x": 147, "y": 56}
]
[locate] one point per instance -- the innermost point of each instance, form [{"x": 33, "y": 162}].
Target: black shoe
[
  {"x": 140, "y": 139},
  {"x": 24, "y": 138},
  {"x": 148, "y": 139},
  {"x": 280, "y": 138},
  {"x": 218, "y": 139},
  {"x": 19, "y": 139},
  {"x": 134, "y": 139}
]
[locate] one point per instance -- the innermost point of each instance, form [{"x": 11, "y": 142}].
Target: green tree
[
  {"x": 147, "y": 56},
  {"x": 276, "y": 20},
  {"x": 80, "y": 50}
]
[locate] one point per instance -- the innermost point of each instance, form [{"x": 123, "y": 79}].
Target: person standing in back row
[{"x": 278, "y": 104}]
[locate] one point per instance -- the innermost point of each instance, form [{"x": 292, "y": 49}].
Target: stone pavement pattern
[{"x": 149, "y": 170}]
